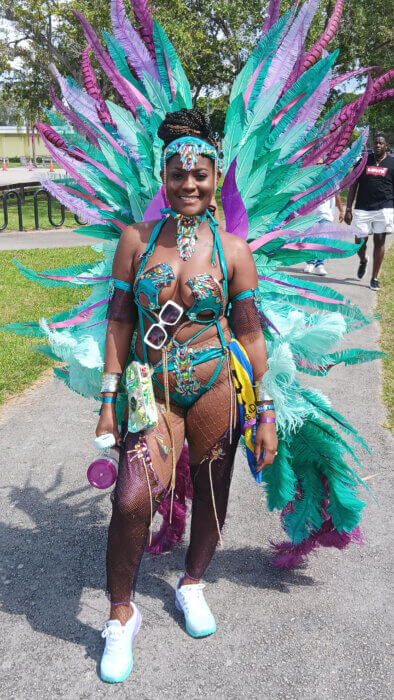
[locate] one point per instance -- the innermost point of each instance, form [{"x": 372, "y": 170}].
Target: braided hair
[{"x": 185, "y": 122}]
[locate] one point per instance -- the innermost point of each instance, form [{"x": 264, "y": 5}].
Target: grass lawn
[
  {"x": 22, "y": 300},
  {"x": 28, "y": 215},
  {"x": 385, "y": 309}
]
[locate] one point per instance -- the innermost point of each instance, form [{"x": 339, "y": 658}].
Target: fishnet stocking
[
  {"x": 145, "y": 469},
  {"x": 143, "y": 477}
]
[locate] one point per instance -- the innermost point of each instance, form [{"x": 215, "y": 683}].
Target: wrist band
[
  {"x": 110, "y": 381},
  {"x": 266, "y": 419},
  {"x": 265, "y": 407},
  {"x": 108, "y": 399},
  {"x": 260, "y": 393}
]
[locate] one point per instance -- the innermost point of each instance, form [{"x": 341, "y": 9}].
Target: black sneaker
[
  {"x": 374, "y": 284},
  {"x": 362, "y": 268}
]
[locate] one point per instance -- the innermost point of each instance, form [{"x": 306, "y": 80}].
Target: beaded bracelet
[
  {"x": 265, "y": 407},
  {"x": 267, "y": 419}
]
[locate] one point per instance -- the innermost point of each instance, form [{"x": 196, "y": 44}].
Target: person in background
[
  {"x": 373, "y": 213},
  {"x": 326, "y": 211}
]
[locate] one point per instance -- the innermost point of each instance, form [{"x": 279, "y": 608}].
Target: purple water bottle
[{"x": 103, "y": 471}]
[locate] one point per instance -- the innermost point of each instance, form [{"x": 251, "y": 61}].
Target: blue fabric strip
[
  {"x": 243, "y": 295},
  {"x": 120, "y": 284}
]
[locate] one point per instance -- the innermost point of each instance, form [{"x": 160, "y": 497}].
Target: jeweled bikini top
[{"x": 209, "y": 295}]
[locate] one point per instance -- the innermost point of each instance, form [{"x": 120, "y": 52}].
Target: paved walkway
[
  {"x": 50, "y": 238},
  {"x": 20, "y": 175},
  {"x": 319, "y": 632}
]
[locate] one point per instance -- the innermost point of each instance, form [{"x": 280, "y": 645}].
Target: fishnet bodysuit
[{"x": 145, "y": 467}]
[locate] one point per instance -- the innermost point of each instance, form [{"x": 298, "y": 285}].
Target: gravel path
[{"x": 320, "y": 632}]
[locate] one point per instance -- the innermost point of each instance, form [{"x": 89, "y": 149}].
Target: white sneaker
[
  {"x": 320, "y": 270},
  {"x": 117, "y": 659},
  {"x": 309, "y": 267},
  {"x": 190, "y": 601}
]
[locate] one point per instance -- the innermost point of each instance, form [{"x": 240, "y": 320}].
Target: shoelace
[
  {"x": 112, "y": 636},
  {"x": 197, "y": 596}
]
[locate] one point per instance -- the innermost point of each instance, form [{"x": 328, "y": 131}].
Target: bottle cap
[{"x": 102, "y": 473}]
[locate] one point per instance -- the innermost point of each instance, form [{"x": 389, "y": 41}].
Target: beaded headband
[{"x": 189, "y": 149}]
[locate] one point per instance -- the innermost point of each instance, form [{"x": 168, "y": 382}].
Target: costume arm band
[
  {"x": 246, "y": 319},
  {"x": 121, "y": 305}
]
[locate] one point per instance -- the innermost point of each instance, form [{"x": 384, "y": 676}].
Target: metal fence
[{"x": 9, "y": 197}]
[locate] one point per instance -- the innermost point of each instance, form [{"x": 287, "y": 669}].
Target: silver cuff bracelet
[
  {"x": 260, "y": 393},
  {"x": 110, "y": 381}
]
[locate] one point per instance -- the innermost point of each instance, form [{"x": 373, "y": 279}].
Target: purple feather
[
  {"x": 287, "y": 53},
  {"x": 131, "y": 43},
  {"x": 74, "y": 204},
  {"x": 351, "y": 123},
  {"x": 315, "y": 52},
  {"x": 130, "y": 95},
  {"x": 51, "y": 135},
  {"x": 311, "y": 109},
  {"x": 93, "y": 89},
  {"x": 252, "y": 82},
  {"x": 272, "y": 16},
  {"x": 143, "y": 16},
  {"x": 102, "y": 168},
  {"x": 287, "y": 555},
  {"x": 171, "y": 533},
  {"x": 350, "y": 74},
  {"x": 342, "y": 185},
  {"x": 158, "y": 202},
  {"x": 76, "y": 121},
  {"x": 323, "y": 148},
  {"x": 297, "y": 68},
  {"x": 66, "y": 162},
  {"x": 237, "y": 221},
  {"x": 380, "y": 96},
  {"x": 382, "y": 80},
  {"x": 77, "y": 99}
]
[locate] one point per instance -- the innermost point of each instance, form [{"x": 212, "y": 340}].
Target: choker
[{"x": 187, "y": 230}]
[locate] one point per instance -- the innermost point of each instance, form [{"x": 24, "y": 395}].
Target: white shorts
[{"x": 378, "y": 221}]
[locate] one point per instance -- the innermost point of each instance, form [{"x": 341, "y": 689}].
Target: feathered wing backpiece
[{"x": 283, "y": 155}]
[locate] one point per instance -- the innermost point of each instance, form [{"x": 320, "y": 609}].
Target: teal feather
[
  {"x": 322, "y": 406},
  {"x": 321, "y": 365},
  {"x": 108, "y": 191},
  {"x": 119, "y": 58},
  {"x": 163, "y": 47},
  {"x": 306, "y": 514},
  {"x": 157, "y": 96},
  {"x": 265, "y": 47},
  {"x": 233, "y": 130},
  {"x": 304, "y": 86},
  {"x": 72, "y": 271},
  {"x": 99, "y": 231},
  {"x": 29, "y": 329},
  {"x": 279, "y": 480}
]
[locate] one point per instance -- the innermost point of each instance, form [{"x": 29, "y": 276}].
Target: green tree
[{"x": 213, "y": 39}]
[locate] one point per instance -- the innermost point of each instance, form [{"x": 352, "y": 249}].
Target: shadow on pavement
[{"x": 47, "y": 566}]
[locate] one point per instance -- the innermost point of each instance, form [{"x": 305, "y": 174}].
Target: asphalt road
[{"x": 319, "y": 632}]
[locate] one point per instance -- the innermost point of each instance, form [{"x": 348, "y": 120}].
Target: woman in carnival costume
[{"x": 205, "y": 304}]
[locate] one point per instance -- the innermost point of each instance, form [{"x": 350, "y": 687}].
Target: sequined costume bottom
[{"x": 144, "y": 476}]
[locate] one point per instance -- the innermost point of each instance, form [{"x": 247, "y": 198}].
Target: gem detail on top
[
  {"x": 187, "y": 228},
  {"x": 189, "y": 153},
  {"x": 186, "y": 383},
  {"x": 160, "y": 275},
  {"x": 204, "y": 286}
]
